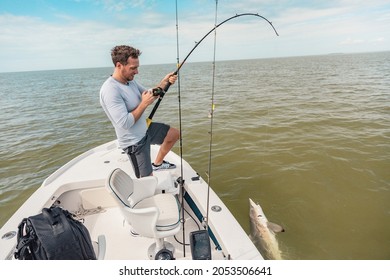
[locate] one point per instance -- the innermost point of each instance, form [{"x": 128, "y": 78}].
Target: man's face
[{"x": 129, "y": 70}]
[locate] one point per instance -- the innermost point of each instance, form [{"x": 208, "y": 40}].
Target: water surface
[{"x": 306, "y": 137}]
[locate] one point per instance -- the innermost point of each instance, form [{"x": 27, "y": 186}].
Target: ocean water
[{"x": 306, "y": 137}]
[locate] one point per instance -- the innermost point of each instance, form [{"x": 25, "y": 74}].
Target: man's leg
[
  {"x": 169, "y": 141},
  {"x": 139, "y": 155}
]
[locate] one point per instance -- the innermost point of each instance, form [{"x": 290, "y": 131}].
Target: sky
[{"x": 67, "y": 34}]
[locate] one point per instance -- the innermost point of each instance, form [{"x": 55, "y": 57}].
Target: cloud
[
  {"x": 29, "y": 43},
  {"x": 379, "y": 40},
  {"x": 123, "y": 5},
  {"x": 350, "y": 41},
  {"x": 74, "y": 40}
]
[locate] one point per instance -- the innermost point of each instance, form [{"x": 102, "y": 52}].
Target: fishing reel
[{"x": 158, "y": 91}]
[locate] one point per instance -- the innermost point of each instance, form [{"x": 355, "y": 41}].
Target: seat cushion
[{"x": 169, "y": 209}]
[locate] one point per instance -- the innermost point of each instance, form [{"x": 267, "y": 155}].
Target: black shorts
[{"x": 139, "y": 153}]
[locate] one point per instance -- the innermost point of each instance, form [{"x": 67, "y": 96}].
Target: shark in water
[{"x": 263, "y": 232}]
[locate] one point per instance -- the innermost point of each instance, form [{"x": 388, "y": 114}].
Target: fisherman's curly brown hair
[{"x": 122, "y": 53}]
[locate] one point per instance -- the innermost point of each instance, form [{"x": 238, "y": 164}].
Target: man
[{"x": 124, "y": 100}]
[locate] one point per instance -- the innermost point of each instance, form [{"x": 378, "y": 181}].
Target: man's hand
[
  {"x": 147, "y": 98},
  {"x": 171, "y": 78}
]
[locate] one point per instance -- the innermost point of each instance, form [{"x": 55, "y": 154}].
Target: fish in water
[{"x": 263, "y": 232}]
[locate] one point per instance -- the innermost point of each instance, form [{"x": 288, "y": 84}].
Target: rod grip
[{"x": 149, "y": 120}]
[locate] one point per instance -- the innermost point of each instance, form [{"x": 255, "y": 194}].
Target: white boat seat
[
  {"x": 149, "y": 214},
  {"x": 169, "y": 209},
  {"x": 166, "y": 183}
]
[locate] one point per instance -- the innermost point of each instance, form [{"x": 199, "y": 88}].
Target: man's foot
[{"x": 163, "y": 166}]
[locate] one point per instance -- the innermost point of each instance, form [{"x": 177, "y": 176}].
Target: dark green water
[{"x": 306, "y": 137}]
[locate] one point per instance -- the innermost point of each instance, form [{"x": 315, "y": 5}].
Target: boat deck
[{"x": 122, "y": 245}]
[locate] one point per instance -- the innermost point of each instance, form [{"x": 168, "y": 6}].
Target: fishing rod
[
  {"x": 180, "y": 180},
  {"x": 161, "y": 91}
]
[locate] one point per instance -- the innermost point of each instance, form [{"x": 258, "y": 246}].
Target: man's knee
[{"x": 172, "y": 135}]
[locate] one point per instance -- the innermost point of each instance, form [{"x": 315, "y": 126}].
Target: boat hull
[{"x": 79, "y": 187}]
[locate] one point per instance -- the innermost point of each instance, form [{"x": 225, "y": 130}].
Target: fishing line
[
  {"x": 149, "y": 119},
  {"x": 211, "y": 115},
  {"x": 180, "y": 180}
]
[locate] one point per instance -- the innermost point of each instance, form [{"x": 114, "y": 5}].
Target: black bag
[{"x": 53, "y": 235}]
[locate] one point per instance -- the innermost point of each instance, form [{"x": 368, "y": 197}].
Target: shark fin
[{"x": 275, "y": 227}]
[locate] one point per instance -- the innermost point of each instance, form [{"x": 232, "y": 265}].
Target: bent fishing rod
[{"x": 161, "y": 92}]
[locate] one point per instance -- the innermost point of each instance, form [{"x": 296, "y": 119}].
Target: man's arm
[{"x": 147, "y": 99}]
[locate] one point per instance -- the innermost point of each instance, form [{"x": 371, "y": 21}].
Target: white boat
[{"x": 82, "y": 187}]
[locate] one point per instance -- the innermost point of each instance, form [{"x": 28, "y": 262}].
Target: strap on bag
[{"x": 22, "y": 248}]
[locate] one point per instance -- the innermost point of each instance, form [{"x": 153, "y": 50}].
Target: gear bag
[{"x": 53, "y": 235}]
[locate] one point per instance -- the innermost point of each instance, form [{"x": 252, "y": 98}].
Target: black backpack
[{"x": 53, "y": 235}]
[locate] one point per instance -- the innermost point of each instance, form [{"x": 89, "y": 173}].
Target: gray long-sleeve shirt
[{"x": 118, "y": 101}]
